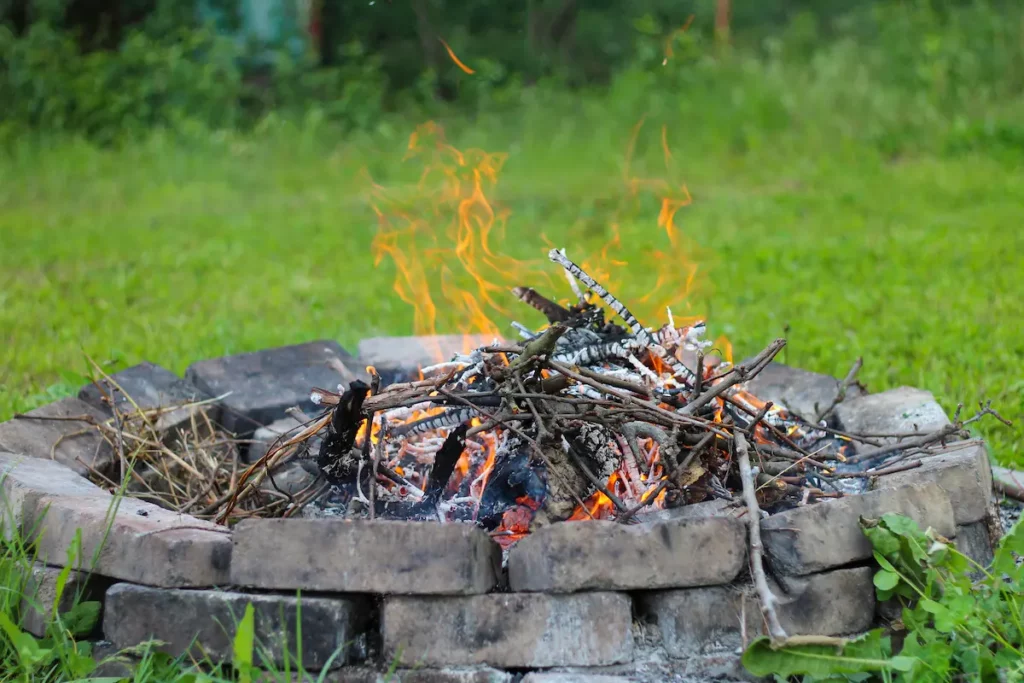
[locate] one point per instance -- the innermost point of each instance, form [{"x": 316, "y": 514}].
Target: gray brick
[
  {"x": 700, "y": 621},
  {"x": 509, "y": 630},
  {"x": 264, "y": 438},
  {"x": 963, "y": 472},
  {"x": 974, "y": 541},
  {"x": 76, "y": 444},
  {"x": 24, "y": 479},
  {"x": 135, "y": 614},
  {"x": 40, "y": 593},
  {"x": 570, "y": 557},
  {"x": 407, "y": 354},
  {"x": 264, "y": 384},
  {"x": 150, "y": 387},
  {"x": 828, "y": 534},
  {"x": 146, "y": 544},
  {"x": 446, "y": 675},
  {"x": 905, "y": 410},
  {"x": 364, "y": 556},
  {"x": 831, "y": 603},
  {"x": 801, "y": 391}
]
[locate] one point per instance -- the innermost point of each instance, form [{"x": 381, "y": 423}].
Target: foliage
[{"x": 952, "y": 625}]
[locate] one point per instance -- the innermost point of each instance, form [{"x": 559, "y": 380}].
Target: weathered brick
[
  {"x": 564, "y": 558},
  {"x": 905, "y": 410},
  {"x": 74, "y": 443},
  {"x": 562, "y": 677},
  {"x": 697, "y": 621},
  {"x": 382, "y": 556},
  {"x": 805, "y": 393},
  {"x": 264, "y": 384},
  {"x": 446, "y": 675},
  {"x": 963, "y": 472},
  {"x": 828, "y": 534},
  {"x": 831, "y": 603},
  {"x": 510, "y": 630},
  {"x": 264, "y": 438},
  {"x": 41, "y": 591},
  {"x": 135, "y": 614},
  {"x": 717, "y": 507},
  {"x": 23, "y": 480},
  {"x": 974, "y": 541},
  {"x": 142, "y": 543},
  {"x": 407, "y": 354},
  {"x": 150, "y": 387}
]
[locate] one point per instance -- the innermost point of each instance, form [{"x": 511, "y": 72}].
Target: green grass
[{"x": 806, "y": 217}]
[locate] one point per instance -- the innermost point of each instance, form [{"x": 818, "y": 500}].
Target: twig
[
  {"x": 628, "y": 515},
  {"x": 902, "y": 467},
  {"x": 597, "y": 483},
  {"x": 767, "y": 598},
  {"x": 843, "y": 387},
  {"x": 742, "y": 373},
  {"x": 1009, "y": 483}
]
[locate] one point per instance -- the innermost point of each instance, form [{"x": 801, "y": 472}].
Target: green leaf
[
  {"x": 245, "y": 639},
  {"x": 886, "y": 580},
  {"x": 761, "y": 659},
  {"x": 30, "y": 653},
  {"x": 81, "y": 619}
]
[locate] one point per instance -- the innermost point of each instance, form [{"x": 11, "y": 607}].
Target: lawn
[{"x": 172, "y": 249}]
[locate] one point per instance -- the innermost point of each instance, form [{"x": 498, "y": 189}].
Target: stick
[
  {"x": 630, "y": 513},
  {"x": 843, "y": 387},
  {"x": 767, "y": 598},
  {"x": 598, "y": 484},
  {"x": 742, "y": 373},
  {"x": 1009, "y": 483}
]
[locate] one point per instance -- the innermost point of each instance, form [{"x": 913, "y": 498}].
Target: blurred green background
[{"x": 181, "y": 180}]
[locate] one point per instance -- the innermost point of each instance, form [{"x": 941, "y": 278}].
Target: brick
[
  {"x": 289, "y": 479},
  {"x": 831, "y": 603},
  {"x": 556, "y": 677},
  {"x": 699, "y": 621},
  {"x": 262, "y": 385},
  {"x": 78, "y": 444},
  {"x": 40, "y": 593},
  {"x": 23, "y": 480},
  {"x": 717, "y": 507},
  {"x": 264, "y": 438},
  {"x": 150, "y": 387},
  {"x": 382, "y": 556},
  {"x": 400, "y": 355},
  {"x": 828, "y": 534},
  {"x": 446, "y": 675},
  {"x": 135, "y": 614},
  {"x": 146, "y": 544},
  {"x": 569, "y": 557},
  {"x": 963, "y": 472},
  {"x": 905, "y": 410},
  {"x": 509, "y": 630},
  {"x": 111, "y": 661},
  {"x": 974, "y": 541},
  {"x": 803, "y": 392}
]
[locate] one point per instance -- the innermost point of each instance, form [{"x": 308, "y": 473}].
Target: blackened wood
[
  {"x": 336, "y": 460},
  {"x": 444, "y": 463}
]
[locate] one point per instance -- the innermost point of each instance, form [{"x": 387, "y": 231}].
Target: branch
[
  {"x": 843, "y": 387},
  {"x": 767, "y": 598},
  {"x": 742, "y": 373}
]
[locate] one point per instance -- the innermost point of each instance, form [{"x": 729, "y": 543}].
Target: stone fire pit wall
[{"x": 592, "y": 598}]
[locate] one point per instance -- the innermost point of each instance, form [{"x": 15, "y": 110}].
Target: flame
[{"x": 458, "y": 62}]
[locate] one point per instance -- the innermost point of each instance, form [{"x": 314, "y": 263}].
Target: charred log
[{"x": 338, "y": 461}]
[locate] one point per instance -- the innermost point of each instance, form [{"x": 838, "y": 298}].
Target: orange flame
[{"x": 458, "y": 62}]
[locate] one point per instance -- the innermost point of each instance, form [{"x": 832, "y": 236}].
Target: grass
[{"x": 174, "y": 250}]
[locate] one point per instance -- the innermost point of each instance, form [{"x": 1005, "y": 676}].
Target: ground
[{"x": 174, "y": 250}]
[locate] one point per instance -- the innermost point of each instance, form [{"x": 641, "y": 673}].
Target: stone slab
[
  {"x": 699, "y": 621},
  {"x": 904, "y": 410},
  {"x": 411, "y": 353},
  {"x": 717, "y": 507},
  {"x": 142, "y": 543},
  {"x": 827, "y": 534},
  {"x": 73, "y": 443},
  {"x": 569, "y": 557},
  {"x": 445, "y": 675},
  {"x": 41, "y": 592},
  {"x": 963, "y": 472},
  {"x": 508, "y": 630},
  {"x": 803, "y": 392},
  {"x": 150, "y": 387},
  {"x": 24, "y": 479},
  {"x": 382, "y": 556},
  {"x": 262, "y": 385},
  {"x": 135, "y": 614}
]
